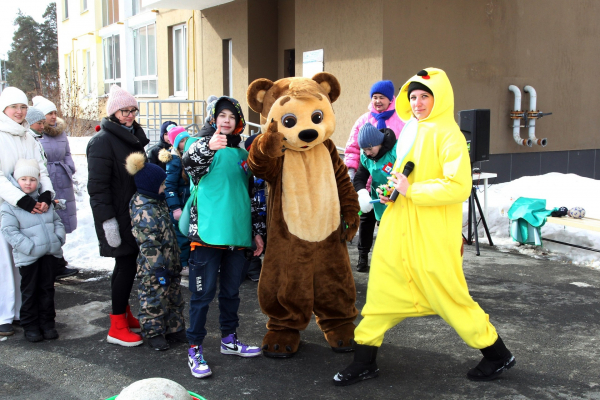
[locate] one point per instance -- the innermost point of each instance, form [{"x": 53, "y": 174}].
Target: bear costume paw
[
  {"x": 341, "y": 338},
  {"x": 271, "y": 144},
  {"x": 281, "y": 344}
]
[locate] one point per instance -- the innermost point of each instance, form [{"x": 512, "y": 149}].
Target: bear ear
[
  {"x": 329, "y": 83},
  {"x": 256, "y": 93}
]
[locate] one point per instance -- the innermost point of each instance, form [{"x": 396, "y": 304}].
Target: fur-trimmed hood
[{"x": 54, "y": 131}]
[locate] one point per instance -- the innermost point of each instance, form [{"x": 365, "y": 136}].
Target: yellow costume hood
[{"x": 443, "y": 106}]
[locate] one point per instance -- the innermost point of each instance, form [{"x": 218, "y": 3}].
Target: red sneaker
[
  {"x": 120, "y": 334},
  {"x": 134, "y": 324}
]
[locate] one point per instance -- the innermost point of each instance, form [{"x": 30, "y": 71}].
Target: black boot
[
  {"x": 363, "y": 367},
  {"x": 363, "y": 263},
  {"x": 496, "y": 359}
]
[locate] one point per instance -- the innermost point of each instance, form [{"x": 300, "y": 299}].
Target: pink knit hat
[
  {"x": 173, "y": 132},
  {"x": 119, "y": 98}
]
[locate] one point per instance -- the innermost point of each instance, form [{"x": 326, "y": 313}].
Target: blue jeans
[{"x": 204, "y": 263}]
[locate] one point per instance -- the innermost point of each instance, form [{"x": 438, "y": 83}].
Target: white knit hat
[
  {"x": 119, "y": 98},
  {"x": 11, "y": 95},
  {"x": 43, "y": 104},
  {"x": 25, "y": 167}
]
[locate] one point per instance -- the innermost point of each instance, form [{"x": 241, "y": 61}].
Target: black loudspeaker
[{"x": 475, "y": 125}]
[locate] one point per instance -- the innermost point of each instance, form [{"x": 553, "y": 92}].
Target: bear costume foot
[
  {"x": 341, "y": 338},
  {"x": 281, "y": 344}
]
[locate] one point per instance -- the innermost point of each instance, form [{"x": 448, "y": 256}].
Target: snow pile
[
  {"x": 81, "y": 249},
  {"x": 559, "y": 190}
]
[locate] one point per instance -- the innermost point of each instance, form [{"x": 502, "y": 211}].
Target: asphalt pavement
[{"x": 548, "y": 314}]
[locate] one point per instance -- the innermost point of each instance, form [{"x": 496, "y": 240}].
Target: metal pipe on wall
[
  {"x": 533, "y": 115},
  {"x": 516, "y": 116}
]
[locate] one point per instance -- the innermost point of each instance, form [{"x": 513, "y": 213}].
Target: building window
[
  {"x": 68, "y": 70},
  {"x": 112, "y": 61},
  {"x": 135, "y": 7},
  {"x": 110, "y": 12},
  {"x": 227, "y": 68},
  {"x": 180, "y": 60},
  {"x": 66, "y": 9},
  {"x": 84, "y": 5},
  {"x": 144, "y": 40},
  {"x": 88, "y": 72}
]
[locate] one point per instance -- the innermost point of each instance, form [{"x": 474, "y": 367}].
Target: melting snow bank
[
  {"x": 81, "y": 249},
  {"x": 559, "y": 190}
]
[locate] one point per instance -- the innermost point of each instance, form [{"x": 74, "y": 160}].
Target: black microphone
[{"x": 407, "y": 170}]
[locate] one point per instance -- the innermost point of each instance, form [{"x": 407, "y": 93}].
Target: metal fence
[{"x": 154, "y": 112}]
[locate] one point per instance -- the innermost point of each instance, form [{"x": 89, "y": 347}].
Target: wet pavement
[{"x": 548, "y": 314}]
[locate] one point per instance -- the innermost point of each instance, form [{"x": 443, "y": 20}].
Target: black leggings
[
  {"x": 365, "y": 232},
  {"x": 122, "y": 282}
]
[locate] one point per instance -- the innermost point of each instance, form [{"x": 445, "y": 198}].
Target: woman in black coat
[{"x": 111, "y": 187}]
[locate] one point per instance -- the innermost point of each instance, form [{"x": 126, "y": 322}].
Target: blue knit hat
[
  {"x": 369, "y": 136},
  {"x": 147, "y": 176},
  {"x": 385, "y": 88},
  {"x": 165, "y": 125}
]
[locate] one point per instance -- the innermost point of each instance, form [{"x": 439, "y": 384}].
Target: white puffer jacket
[
  {"x": 16, "y": 143},
  {"x": 31, "y": 235}
]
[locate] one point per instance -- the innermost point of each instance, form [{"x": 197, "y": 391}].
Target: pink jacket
[{"x": 352, "y": 151}]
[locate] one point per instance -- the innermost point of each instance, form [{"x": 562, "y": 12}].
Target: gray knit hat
[
  {"x": 34, "y": 115},
  {"x": 369, "y": 136}
]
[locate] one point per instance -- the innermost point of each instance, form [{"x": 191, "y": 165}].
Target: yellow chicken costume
[{"x": 416, "y": 268}]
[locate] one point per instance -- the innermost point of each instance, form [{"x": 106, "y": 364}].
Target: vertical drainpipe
[
  {"x": 516, "y": 116},
  {"x": 532, "y": 116}
]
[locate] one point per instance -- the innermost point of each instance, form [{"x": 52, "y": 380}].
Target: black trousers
[
  {"x": 37, "y": 294},
  {"x": 122, "y": 282},
  {"x": 365, "y": 232}
]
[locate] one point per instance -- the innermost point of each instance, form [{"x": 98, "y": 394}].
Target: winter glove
[
  {"x": 177, "y": 214},
  {"x": 364, "y": 199},
  {"x": 352, "y": 172},
  {"x": 26, "y": 203},
  {"x": 111, "y": 232},
  {"x": 45, "y": 197},
  {"x": 561, "y": 212},
  {"x": 272, "y": 142}
]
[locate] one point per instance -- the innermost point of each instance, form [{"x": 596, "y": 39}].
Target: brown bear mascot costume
[{"x": 312, "y": 210}]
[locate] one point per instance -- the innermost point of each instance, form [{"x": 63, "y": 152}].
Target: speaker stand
[{"x": 472, "y": 222}]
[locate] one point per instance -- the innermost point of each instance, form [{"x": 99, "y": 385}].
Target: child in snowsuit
[
  {"x": 219, "y": 170},
  {"x": 259, "y": 205},
  {"x": 161, "y": 302},
  {"x": 382, "y": 114},
  {"x": 177, "y": 190},
  {"x": 417, "y": 262},
  {"x": 36, "y": 241},
  {"x": 163, "y": 143},
  {"x": 378, "y": 155}
]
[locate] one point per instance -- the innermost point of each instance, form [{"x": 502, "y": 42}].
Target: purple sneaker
[
  {"x": 197, "y": 364},
  {"x": 231, "y": 345}
]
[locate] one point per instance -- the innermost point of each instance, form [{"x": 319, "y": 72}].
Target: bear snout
[{"x": 308, "y": 135}]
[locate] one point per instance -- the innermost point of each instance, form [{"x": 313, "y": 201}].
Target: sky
[{"x": 10, "y": 9}]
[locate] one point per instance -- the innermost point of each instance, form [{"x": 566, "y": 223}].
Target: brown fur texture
[
  {"x": 312, "y": 211},
  {"x": 56, "y": 130}
]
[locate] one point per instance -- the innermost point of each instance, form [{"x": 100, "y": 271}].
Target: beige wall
[
  {"x": 350, "y": 34},
  {"x": 165, "y": 20},
  {"x": 228, "y": 21},
  {"x": 262, "y": 43},
  {"x": 286, "y": 21},
  {"x": 486, "y": 46}
]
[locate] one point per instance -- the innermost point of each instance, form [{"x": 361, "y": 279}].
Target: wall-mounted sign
[{"x": 312, "y": 63}]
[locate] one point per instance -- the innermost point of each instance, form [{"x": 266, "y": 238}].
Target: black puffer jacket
[
  {"x": 109, "y": 184},
  {"x": 154, "y": 150}
]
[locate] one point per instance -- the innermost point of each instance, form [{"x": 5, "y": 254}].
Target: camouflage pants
[{"x": 161, "y": 307}]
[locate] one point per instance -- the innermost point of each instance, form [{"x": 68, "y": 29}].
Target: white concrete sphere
[{"x": 154, "y": 389}]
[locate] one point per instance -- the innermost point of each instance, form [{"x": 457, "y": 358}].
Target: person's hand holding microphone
[{"x": 400, "y": 181}]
